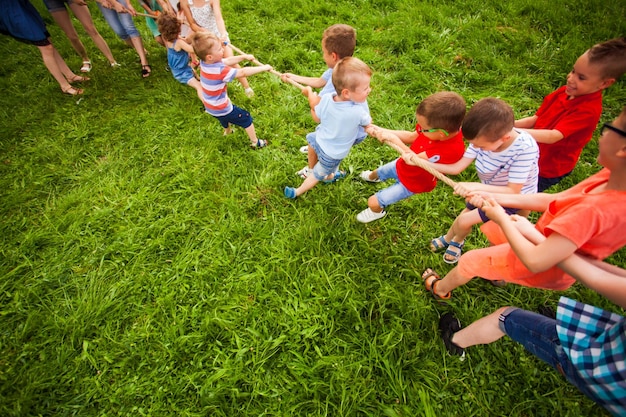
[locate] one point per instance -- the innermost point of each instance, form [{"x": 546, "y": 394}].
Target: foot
[
  {"x": 115, "y": 65},
  {"x": 78, "y": 79},
  {"x": 368, "y": 215},
  {"x": 304, "y": 172},
  {"x": 290, "y": 192},
  {"x": 86, "y": 66},
  {"x": 430, "y": 279},
  {"x": 259, "y": 144},
  {"x": 304, "y": 149},
  {"x": 334, "y": 177},
  {"x": 249, "y": 92},
  {"x": 71, "y": 91},
  {"x": 365, "y": 176},
  {"x": 146, "y": 70},
  {"x": 227, "y": 131},
  {"x": 439, "y": 243},
  {"x": 448, "y": 326},
  {"x": 453, "y": 252}
]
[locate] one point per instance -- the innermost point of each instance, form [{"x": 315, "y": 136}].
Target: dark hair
[
  {"x": 490, "y": 118},
  {"x": 611, "y": 56},
  {"x": 169, "y": 26},
  {"x": 340, "y": 39},
  {"x": 347, "y": 73},
  {"x": 443, "y": 110}
]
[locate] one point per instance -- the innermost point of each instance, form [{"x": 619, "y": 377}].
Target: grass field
[{"x": 151, "y": 266}]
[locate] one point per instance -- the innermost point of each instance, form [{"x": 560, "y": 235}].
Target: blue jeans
[
  {"x": 121, "y": 23},
  {"x": 325, "y": 164},
  {"x": 538, "y": 335},
  {"x": 395, "y": 192}
]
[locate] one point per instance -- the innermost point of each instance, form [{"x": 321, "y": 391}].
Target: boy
[
  {"x": 339, "y": 116},
  {"x": 567, "y": 117},
  {"x": 338, "y": 41},
  {"x": 215, "y": 72},
  {"x": 437, "y": 138},
  {"x": 586, "y": 219},
  {"x": 506, "y": 162}
]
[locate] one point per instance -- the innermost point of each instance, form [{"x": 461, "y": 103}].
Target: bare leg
[
  {"x": 57, "y": 67},
  {"x": 252, "y": 134},
  {"x": 311, "y": 157},
  {"x": 308, "y": 184},
  {"x": 196, "y": 84},
  {"x": 481, "y": 332},
  {"x": 62, "y": 18},
  {"x": 84, "y": 17},
  {"x": 137, "y": 43},
  {"x": 374, "y": 205},
  {"x": 452, "y": 280}
]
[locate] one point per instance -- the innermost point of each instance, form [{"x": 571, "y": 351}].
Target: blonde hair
[
  {"x": 443, "y": 110},
  {"x": 348, "y": 73},
  {"x": 204, "y": 43}
]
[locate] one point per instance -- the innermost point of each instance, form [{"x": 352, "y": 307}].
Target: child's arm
[
  {"x": 465, "y": 188},
  {"x": 219, "y": 19},
  {"x": 314, "y": 100},
  {"x": 533, "y": 202},
  {"x": 248, "y": 71},
  {"x": 315, "y": 82},
  {"x": 236, "y": 59},
  {"x": 606, "y": 279},
  {"x": 536, "y": 257},
  {"x": 184, "y": 45},
  {"x": 526, "y": 122},
  {"x": 455, "y": 168}
]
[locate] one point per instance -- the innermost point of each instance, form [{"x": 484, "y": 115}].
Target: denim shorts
[
  {"x": 484, "y": 217},
  {"x": 545, "y": 183},
  {"x": 325, "y": 164},
  {"x": 538, "y": 335},
  {"x": 56, "y": 5},
  {"x": 395, "y": 192},
  {"x": 238, "y": 117},
  {"x": 121, "y": 23}
]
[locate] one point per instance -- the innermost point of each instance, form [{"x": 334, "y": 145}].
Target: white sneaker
[
  {"x": 368, "y": 215},
  {"x": 304, "y": 172},
  {"x": 365, "y": 176},
  {"x": 249, "y": 92},
  {"x": 304, "y": 149}
]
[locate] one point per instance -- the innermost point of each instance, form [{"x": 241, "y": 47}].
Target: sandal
[
  {"x": 430, "y": 284},
  {"x": 448, "y": 326},
  {"x": 78, "y": 79},
  {"x": 304, "y": 172},
  {"x": 453, "y": 252},
  {"x": 146, "y": 70},
  {"x": 439, "y": 243},
  {"x": 86, "y": 66},
  {"x": 259, "y": 144},
  {"x": 71, "y": 91},
  {"x": 336, "y": 177}
]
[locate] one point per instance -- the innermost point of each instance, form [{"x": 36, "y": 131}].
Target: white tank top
[{"x": 204, "y": 16}]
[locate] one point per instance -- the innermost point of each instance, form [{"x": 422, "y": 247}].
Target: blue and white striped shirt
[{"x": 516, "y": 164}]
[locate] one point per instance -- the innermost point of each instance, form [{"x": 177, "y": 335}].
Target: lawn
[{"x": 151, "y": 266}]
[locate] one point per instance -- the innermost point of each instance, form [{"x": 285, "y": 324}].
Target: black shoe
[{"x": 448, "y": 325}]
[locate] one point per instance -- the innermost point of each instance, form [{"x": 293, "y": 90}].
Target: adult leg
[
  {"x": 62, "y": 18},
  {"x": 84, "y": 17},
  {"x": 58, "y": 68}
]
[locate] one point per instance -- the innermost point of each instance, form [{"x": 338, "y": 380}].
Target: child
[
  {"x": 584, "y": 343},
  {"x": 586, "y": 219},
  {"x": 340, "y": 116},
  {"x": 155, "y": 8},
  {"x": 567, "y": 117},
  {"x": 206, "y": 16},
  {"x": 437, "y": 137},
  {"x": 338, "y": 41},
  {"x": 506, "y": 162},
  {"x": 178, "y": 51},
  {"x": 215, "y": 72}
]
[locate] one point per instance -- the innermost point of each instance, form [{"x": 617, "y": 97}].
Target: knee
[{"x": 373, "y": 203}]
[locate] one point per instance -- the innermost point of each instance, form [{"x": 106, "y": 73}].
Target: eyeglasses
[
  {"x": 420, "y": 130},
  {"x": 613, "y": 128}
]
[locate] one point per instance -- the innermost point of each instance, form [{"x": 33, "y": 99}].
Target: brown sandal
[
  {"x": 78, "y": 79},
  {"x": 71, "y": 91},
  {"x": 430, "y": 284}
]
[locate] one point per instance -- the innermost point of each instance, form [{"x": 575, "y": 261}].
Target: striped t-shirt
[
  {"x": 213, "y": 78},
  {"x": 516, "y": 164}
]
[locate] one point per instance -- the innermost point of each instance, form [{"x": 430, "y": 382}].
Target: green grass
[{"x": 151, "y": 266}]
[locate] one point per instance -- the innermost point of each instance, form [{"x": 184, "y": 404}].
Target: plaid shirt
[{"x": 595, "y": 342}]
